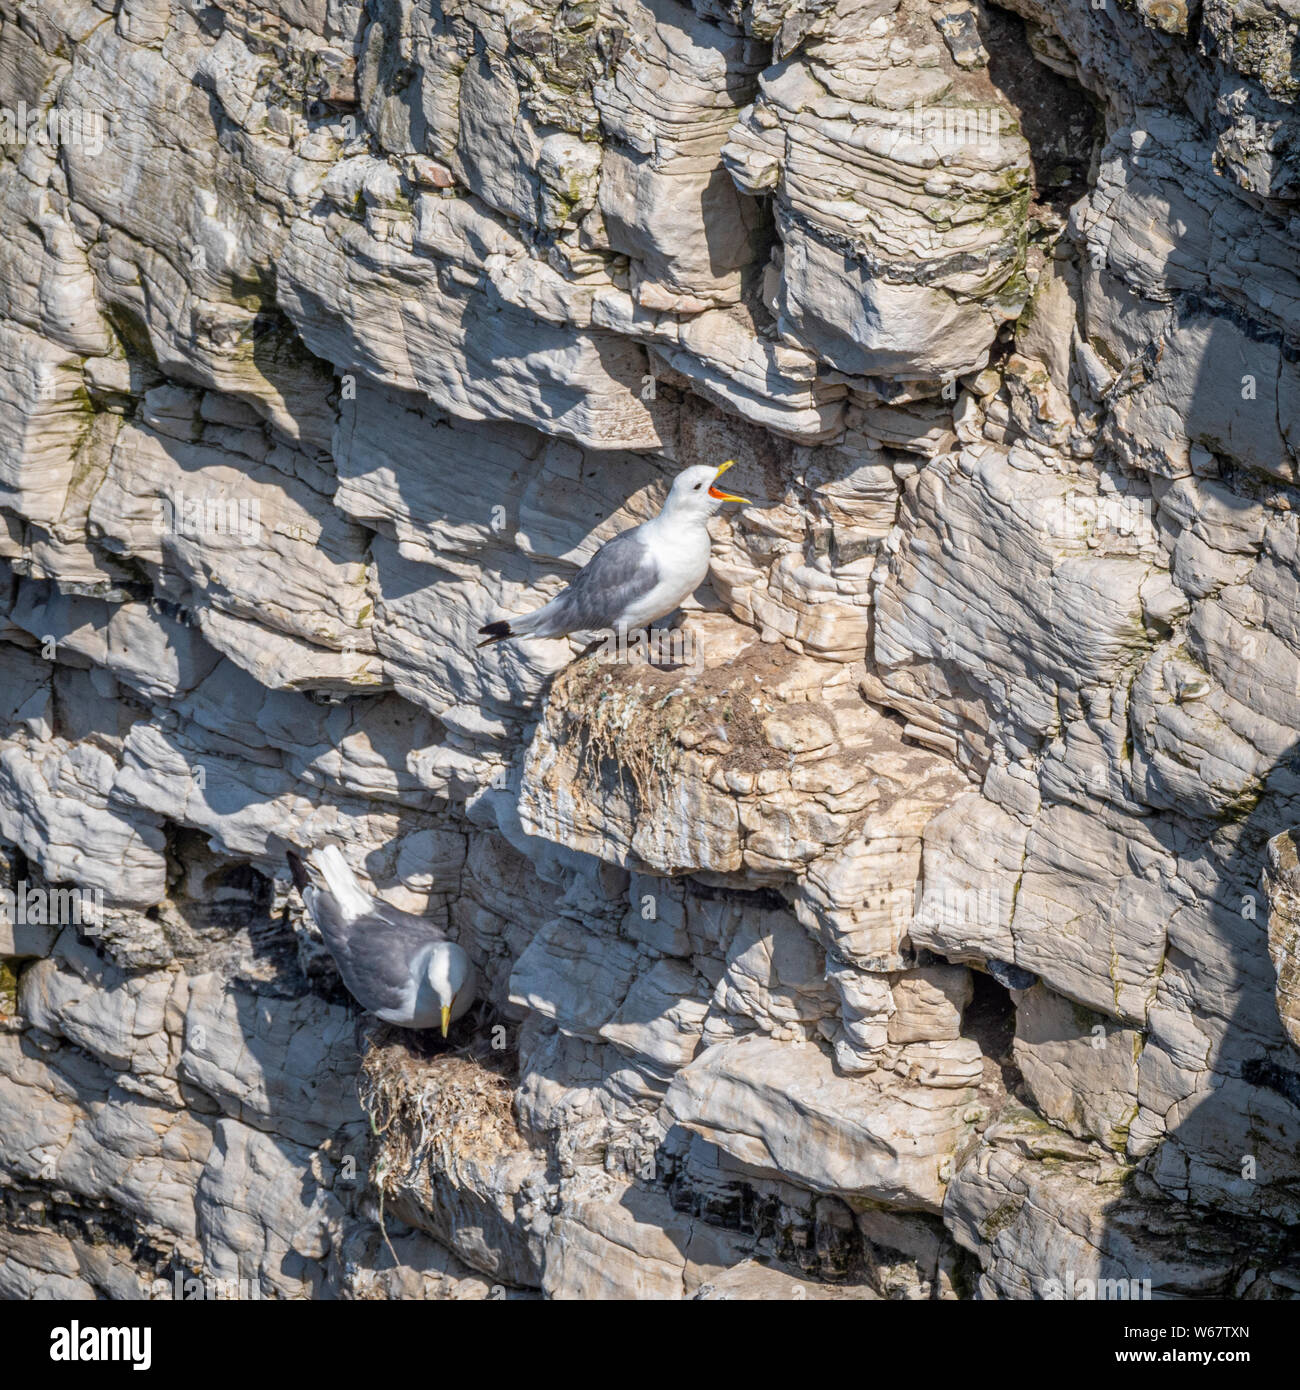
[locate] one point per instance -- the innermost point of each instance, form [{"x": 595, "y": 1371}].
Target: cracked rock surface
[{"x": 926, "y": 926}]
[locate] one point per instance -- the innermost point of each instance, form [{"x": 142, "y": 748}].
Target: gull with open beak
[
  {"x": 639, "y": 575},
  {"x": 401, "y": 967}
]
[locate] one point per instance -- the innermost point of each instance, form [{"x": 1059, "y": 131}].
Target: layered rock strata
[{"x": 904, "y": 936}]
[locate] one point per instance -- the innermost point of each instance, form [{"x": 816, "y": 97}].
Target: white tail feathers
[
  {"x": 527, "y": 625},
  {"x": 341, "y": 882}
]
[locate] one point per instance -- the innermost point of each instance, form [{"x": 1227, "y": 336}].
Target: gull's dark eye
[{"x": 698, "y": 486}]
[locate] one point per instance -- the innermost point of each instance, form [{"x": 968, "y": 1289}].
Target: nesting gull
[
  {"x": 639, "y": 575},
  {"x": 401, "y": 967}
]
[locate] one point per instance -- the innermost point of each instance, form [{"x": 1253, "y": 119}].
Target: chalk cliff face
[{"x": 907, "y": 936}]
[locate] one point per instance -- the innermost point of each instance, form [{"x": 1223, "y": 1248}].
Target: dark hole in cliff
[
  {"x": 1058, "y": 118},
  {"x": 1260, "y": 1071},
  {"x": 19, "y": 869},
  {"x": 216, "y": 893},
  {"x": 990, "y": 1019},
  {"x": 132, "y": 332},
  {"x": 220, "y": 913},
  {"x": 28, "y": 1206},
  {"x": 760, "y": 899},
  {"x": 818, "y": 1238}
]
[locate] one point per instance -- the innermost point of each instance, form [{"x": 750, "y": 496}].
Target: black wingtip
[
  {"x": 298, "y": 869},
  {"x": 495, "y": 632}
]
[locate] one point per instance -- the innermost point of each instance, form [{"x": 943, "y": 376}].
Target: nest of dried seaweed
[
  {"x": 635, "y": 732},
  {"x": 432, "y": 1110},
  {"x": 631, "y": 720}
]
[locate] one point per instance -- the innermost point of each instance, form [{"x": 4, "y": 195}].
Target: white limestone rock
[
  {"x": 1282, "y": 943},
  {"x": 451, "y": 292},
  {"x": 934, "y": 199},
  {"x": 889, "y": 1136},
  {"x": 1080, "y": 1070}
]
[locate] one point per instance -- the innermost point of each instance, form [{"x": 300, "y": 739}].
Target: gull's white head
[
  {"x": 449, "y": 978},
  {"x": 695, "y": 493}
]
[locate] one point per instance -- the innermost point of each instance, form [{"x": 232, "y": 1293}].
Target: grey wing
[
  {"x": 620, "y": 571},
  {"x": 335, "y": 927},
  {"x": 377, "y": 953},
  {"x": 420, "y": 927}
]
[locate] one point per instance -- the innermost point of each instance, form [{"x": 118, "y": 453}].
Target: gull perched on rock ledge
[
  {"x": 401, "y": 967},
  {"x": 638, "y": 576}
]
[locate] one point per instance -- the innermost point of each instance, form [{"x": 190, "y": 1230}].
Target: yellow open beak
[
  {"x": 446, "y": 1019},
  {"x": 724, "y": 496}
]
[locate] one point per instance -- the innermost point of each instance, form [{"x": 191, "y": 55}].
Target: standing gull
[
  {"x": 639, "y": 575},
  {"x": 399, "y": 966}
]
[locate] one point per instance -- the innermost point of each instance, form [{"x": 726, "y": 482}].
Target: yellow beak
[
  {"x": 725, "y": 496},
  {"x": 446, "y": 1019}
]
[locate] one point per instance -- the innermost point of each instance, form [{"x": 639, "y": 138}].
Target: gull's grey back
[
  {"x": 378, "y": 954},
  {"x": 620, "y": 571}
]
